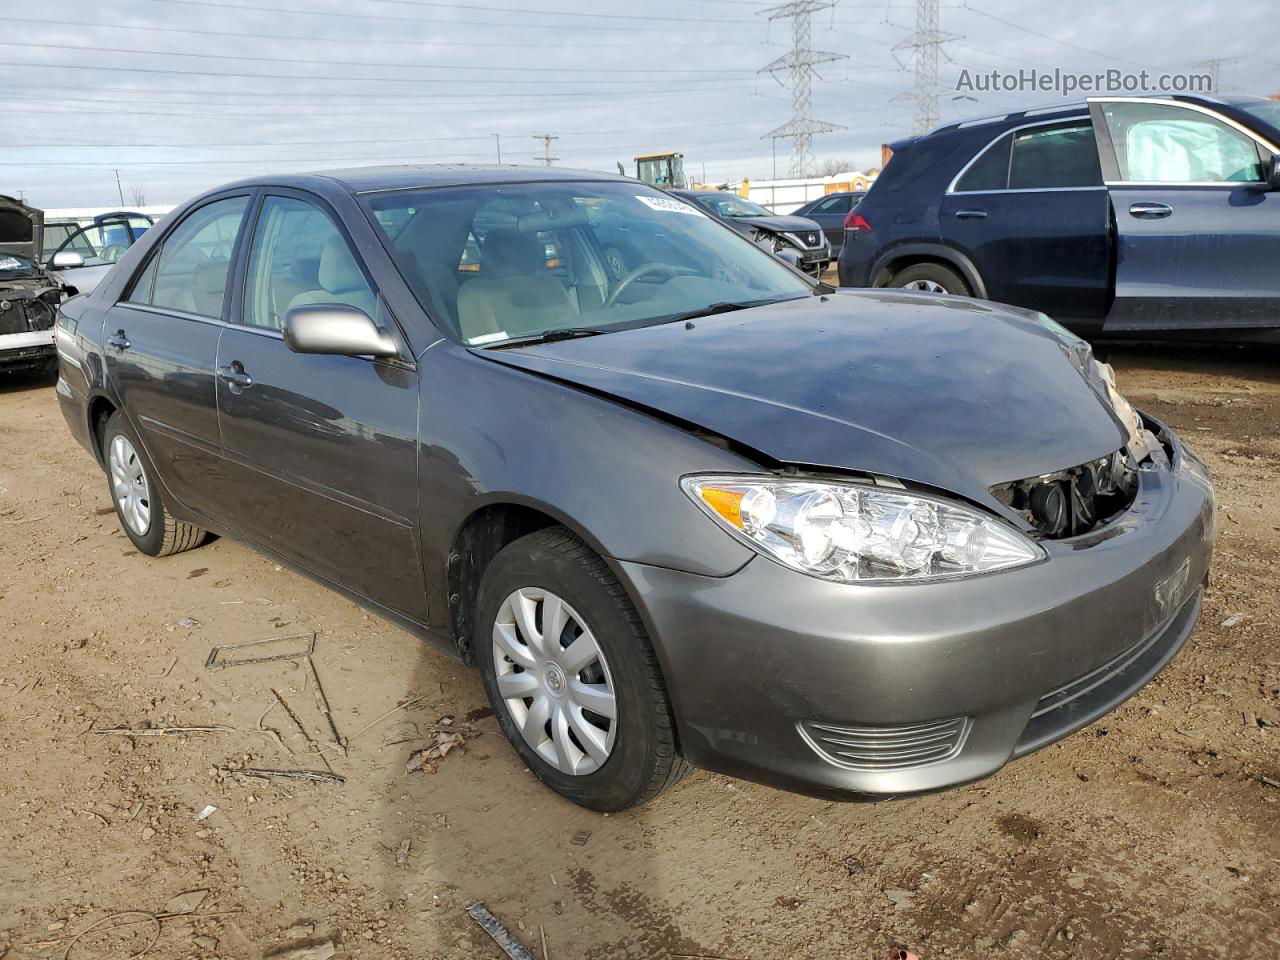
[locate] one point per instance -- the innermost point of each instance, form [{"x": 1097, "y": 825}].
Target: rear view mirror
[
  {"x": 66, "y": 259},
  {"x": 1273, "y": 174},
  {"x": 335, "y": 328}
]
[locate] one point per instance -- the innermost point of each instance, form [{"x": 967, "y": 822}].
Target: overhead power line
[
  {"x": 524, "y": 44},
  {"x": 294, "y": 11},
  {"x": 329, "y": 61}
]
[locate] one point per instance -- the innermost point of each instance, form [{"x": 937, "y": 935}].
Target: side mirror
[
  {"x": 66, "y": 259},
  {"x": 1273, "y": 174},
  {"x": 335, "y": 328}
]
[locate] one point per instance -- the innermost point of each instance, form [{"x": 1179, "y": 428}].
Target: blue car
[{"x": 1122, "y": 216}]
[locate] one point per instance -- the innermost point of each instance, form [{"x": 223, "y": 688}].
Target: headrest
[
  {"x": 338, "y": 272},
  {"x": 511, "y": 253}
]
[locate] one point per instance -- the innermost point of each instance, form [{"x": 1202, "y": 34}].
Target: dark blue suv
[{"x": 1120, "y": 216}]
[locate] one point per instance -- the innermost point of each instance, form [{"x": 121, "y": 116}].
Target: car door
[
  {"x": 161, "y": 347},
  {"x": 1198, "y": 230},
  {"x": 829, "y": 214},
  {"x": 321, "y": 450},
  {"x": 1031, "y": 212}
]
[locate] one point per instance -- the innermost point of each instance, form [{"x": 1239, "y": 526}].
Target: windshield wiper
[
  {"x": 547, "y": 336},
  {"x": 725, "y": 306}
]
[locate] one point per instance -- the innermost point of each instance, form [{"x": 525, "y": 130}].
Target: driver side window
[{"x": 299, "y": 257}]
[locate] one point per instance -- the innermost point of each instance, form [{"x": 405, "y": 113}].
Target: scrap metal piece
[
  {"x": 218, "y": 660},
  {"x": 318, "y": 776},
  {"x": 503, "y": 937}
]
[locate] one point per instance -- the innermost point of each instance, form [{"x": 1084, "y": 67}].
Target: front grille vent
[{"x": 886, "y": 747}]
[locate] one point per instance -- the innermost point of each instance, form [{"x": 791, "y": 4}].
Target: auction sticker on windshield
[{"x": 667, "y": 205}]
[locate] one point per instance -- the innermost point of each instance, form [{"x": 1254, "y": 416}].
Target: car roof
[
  {"x": 1054, "y": 111},
  {"x": 409, "y": 176}
]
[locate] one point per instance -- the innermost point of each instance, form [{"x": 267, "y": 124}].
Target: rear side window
[
  {"x": 990, "y": 171},
  {"x": 1055, "y": 158},
  {"x": 835, "y": 205},
  {"x": 189, "y": 273}
]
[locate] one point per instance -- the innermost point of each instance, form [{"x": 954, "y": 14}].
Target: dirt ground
[{"x": 1153, "y": 834}]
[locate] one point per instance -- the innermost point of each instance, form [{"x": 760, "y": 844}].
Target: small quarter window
[{"x": 990, "y": 171}]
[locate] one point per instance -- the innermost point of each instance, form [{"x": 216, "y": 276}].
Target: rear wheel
[
  {"x": 136, "y": 497},
  {"x": 571, "y": 674},
  {"x": 930, "y": 278}
]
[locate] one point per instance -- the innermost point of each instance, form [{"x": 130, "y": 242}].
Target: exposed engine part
[
  {"x": 1074, "y": 501},
  {"x": 24, "y": 309}
]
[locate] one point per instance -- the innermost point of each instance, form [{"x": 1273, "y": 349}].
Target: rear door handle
[
  {"x": 119, "y": 340},
  {"x": 1150, "y": 211},
  {"x": 971, "y": 214},
  {"x": 235, "y": 377}
]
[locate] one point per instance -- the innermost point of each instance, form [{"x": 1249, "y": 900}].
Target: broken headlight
[{"x": 852, "y": 532}]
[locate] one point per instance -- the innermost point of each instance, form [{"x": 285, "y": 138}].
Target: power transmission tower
[
  {"x": 924, "y": 44},
  {"x": 1214, "y": 67},
  {"x": 799, "y": 63},
  {"x": 546, "y": 139}
]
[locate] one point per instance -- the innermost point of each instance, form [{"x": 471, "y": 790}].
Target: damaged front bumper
[
  {"x": 28, "y": 309},
  {"x": 886, "y": 689}
]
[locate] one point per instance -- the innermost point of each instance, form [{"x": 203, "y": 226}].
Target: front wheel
[
  {"x": 930, "y": 278},
  {"x": 136, "y": 497},
  {"x": 572, "y": 676}
]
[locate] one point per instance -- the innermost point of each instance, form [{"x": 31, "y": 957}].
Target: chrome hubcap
[
  {"x": 129, "y": 485},
  {"x": 928, "y": 286},
  {"x": 554, "y": 681}
]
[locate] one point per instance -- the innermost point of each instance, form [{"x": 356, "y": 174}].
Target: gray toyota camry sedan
[{"x": 705, "y": 513}]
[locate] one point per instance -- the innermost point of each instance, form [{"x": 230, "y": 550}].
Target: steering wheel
[
  {"x": 111, "y": 253},
  {"x": 643, "y": 271}
]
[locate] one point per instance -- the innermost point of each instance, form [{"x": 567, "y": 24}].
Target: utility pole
[
  {"x": 546, "y": 139},
  {"x": 119, "y": 189},
  {"x": 925, "y": 44},
  {"x": 497, "y": 138},
  {"x": 798, "y": 64}
]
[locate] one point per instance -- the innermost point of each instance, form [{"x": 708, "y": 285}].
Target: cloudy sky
[{"x": 180, "y": 95}]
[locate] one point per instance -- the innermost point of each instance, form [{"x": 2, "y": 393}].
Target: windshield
[
  {"x": 732, "y": 206},
  {"x": 13, "y": 267},
  {"x": 498, "y": 263}
]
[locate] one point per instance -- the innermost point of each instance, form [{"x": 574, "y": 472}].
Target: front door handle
[
  {"x": 1150, "y": 211},
  {"x": 971, "y": 214},
  {"x": 119, "y": 340},
  {"x": 235, "y": 377}
]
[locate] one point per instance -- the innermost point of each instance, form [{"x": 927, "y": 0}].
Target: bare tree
[
  {"x": 829, "y": 168},
  {"x": 139, "y": 194}
]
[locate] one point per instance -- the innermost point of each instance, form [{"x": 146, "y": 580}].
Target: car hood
[
  {"x": 20, "y": 228},
  {"x": 780, "y": 224},
  {"x": 954, "y": 393}
]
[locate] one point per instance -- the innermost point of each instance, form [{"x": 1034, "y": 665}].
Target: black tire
[
  {"x": 931, "y": 273},
  {"x": 164, "y": 536},
  {"x": 645, "y": 758}
]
